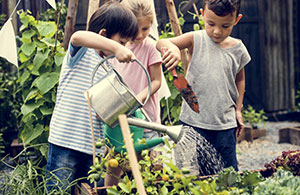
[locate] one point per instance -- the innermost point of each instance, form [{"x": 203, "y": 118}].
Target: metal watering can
[{"x": 111, "y": 97}]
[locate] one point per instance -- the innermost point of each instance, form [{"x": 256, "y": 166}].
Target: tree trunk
[{"x": 70, "y": 21}]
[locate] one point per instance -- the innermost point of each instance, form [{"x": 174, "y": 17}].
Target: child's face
[
  {"x": 117, "y": 37},
  {"x": 218, "y": 28},
  {"x": 144, "y": 28}
]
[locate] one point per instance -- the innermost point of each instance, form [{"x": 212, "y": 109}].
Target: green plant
[
  {"x": 58, "y": 16},
  {"x": 251, "y": 116},
  {"x": 41, "y": 57},
  {"x": 283, "y": 182},
  {"x": 10, "y": 101},
  {"x": 30, "y": 179},
  {"x": 170, "y": 108}
]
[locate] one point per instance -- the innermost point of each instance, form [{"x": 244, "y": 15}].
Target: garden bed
[{"x": 249, "y": 134}]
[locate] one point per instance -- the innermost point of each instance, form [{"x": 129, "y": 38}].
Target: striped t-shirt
[{"x": 70, "y": 123}]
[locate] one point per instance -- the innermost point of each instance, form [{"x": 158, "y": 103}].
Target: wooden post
[
  {"x": 177, "y": 30},
  {"x": 132, "y": 155},
  {"x": 93, "y": 6},
  {"x": 70, "y": 21}
]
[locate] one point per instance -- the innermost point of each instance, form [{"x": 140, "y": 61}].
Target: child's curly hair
[{"x": 223, "y": 7}]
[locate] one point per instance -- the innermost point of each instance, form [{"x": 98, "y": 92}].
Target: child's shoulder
[{"x": 230, "y": 42}]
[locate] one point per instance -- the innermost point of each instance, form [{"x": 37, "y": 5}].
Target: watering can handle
[{"x": 101, "y": 63}]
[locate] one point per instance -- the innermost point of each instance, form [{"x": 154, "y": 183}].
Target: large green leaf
[
  {"x": 28, "y": 34},
  {"x": 38, "y": 60},
  {"x": 24, "y": 77},
  {"x": 28, "y": 48},
  {"x": 45, "y": 110},
  {"x": 47, "y": 81},
  {"x": 29, "y": 107},
  {"x": 29, "y": 134},
  {"x": 23, "y": 58},
  {"x": 32, "y": 94},
  {"x": 47, "y": 29}
]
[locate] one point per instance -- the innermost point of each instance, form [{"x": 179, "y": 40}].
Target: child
[
  {"x": 70, "y": 140},
  {"x": 216, "y": 74},
  {"x": 133, "y": 75}
]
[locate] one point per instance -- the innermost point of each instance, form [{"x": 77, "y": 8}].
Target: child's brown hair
[
  {"x": 115, "y": 18},
  {"x": 223, "y": 7}
]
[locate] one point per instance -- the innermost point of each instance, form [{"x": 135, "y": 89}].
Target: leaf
[
  {"x": 123, "y": 187},
  {"x": 38, "y": 60},
  {"x": 28, "y": 34},
  {"x": 30, "y": 107},
  {"x": 173, "y": 167},
  {"x": 46, "y": 29},
  {"x": 164, "y": 190},
  {"x": 32, "y": 94},
  {"x": 47, "y": 81},
  {"x": 112, "y": 191},
  {"x": 45, "y": 110},
  {"x": 44, "y": 150},
  {"x": 59, "y": 57},
  {"x": 29, "y": 134},
  {"x": 23, "y": 58},
  {"x": 28, "y": 48},
  {"x": 24, "y": 77}
]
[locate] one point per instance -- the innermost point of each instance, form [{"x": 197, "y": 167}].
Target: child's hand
[
  {"x": 240, "y": 123},
  {"x": 124, "y": 54},
  {"x": 171, "y": 57}
]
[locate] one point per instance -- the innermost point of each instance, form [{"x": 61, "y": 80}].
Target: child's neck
[{"x": 228, "y": 42}]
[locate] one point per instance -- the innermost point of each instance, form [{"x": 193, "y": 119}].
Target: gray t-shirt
[{"x": 212, "y": 73}]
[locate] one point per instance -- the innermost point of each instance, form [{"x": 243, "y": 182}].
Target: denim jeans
[
  {"x": 224, "y": 142},
  {"x": 67, "y": 165}
]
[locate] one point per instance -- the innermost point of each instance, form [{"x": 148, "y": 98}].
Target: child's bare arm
[
  {"x": 240, "y": 83},
  {"x": 96, "y": 41},
  {"x": 173, "y": 45},
  {"x": 155, "y": 75}
]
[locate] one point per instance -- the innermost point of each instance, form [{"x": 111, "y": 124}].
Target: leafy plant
[
  {"x": 9, "y": 100},
  {"x": 283, "y": 182},
  {"x": 10, "y": 103},
  {"x": 26, "y": 178},
  {"x": 289, "y": 161},
  {"x": 251, "y": 116},
  {"x": 41, "y": 58},
  {"x": 58, "y": 16}
]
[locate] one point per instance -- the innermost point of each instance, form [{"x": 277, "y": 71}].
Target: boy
[
  {"x": 216, "y": 74},
  {"x": 70, "y": 140}
]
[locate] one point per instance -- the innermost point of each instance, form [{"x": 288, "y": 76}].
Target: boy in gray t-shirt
[{"x": 216, "y": 74}]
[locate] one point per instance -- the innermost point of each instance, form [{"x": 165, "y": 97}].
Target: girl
[{"x": 145, "y": 51}]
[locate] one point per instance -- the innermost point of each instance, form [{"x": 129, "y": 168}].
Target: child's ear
[
  {"x": 102, "y": 32},
  {"x": 238, "y": 19}
]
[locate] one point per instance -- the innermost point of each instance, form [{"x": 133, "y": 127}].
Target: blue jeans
[
  {"x": 224, "y": 142},
  {"x": 67, "y": 165}
]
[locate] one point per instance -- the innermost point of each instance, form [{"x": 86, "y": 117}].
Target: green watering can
[{"x": 115, "y": 136}]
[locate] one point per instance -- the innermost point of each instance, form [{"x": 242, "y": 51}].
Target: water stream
[{"x": 195, "y": 153}]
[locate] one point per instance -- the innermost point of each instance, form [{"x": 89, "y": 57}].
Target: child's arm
[
  {"x": 93, "y": 40},
  {"x": 155, "y": 76},
  {"x": 240, "y": 84},
  {"x": 173, "y": 45}
]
